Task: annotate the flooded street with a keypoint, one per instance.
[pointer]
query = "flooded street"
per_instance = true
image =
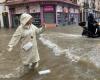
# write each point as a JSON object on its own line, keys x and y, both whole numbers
{"x": 63, "y": 50}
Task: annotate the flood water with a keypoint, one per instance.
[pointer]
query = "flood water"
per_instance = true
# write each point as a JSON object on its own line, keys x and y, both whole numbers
{"x": 63, "y": 50}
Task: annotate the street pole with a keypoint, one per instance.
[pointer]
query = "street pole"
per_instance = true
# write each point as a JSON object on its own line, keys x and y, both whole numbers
{"x": 82, "y": 8}
{"x": 82, "y": 14}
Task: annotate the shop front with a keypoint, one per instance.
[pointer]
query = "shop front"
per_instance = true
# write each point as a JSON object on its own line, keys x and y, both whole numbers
{"x": 41, "y": 14}
{"x": 45, "y": 12}
{"x": 73, "y": 16}
{"x": 49, "y": 14}
{"x": 16, "y": 12}
{"x": 15, "y": 15}
{"x": 62, "y": 15}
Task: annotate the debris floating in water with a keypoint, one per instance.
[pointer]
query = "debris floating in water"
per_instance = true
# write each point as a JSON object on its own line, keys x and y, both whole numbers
{"x": 44, "y": 72}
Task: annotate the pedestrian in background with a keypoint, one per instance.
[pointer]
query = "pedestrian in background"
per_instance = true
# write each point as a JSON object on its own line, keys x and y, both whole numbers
{"x": 72, "y": 20}
{"x": 26, "y": 34}
{"x": 92, "y": 25}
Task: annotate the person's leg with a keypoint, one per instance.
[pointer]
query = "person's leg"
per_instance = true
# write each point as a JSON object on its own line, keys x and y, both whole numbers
{"x": 36, "y": 64}
{"x": 33, "y": 65}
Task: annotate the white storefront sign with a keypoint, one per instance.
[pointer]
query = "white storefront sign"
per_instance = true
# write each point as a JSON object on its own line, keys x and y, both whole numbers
{"x": 59, "y": 8}
{"x": 19, "y": 10}
{"x": 71, "y": 10}
{"x": 65, "y": 9}
{"x": 76, "y": 11}
{"x": 34, "y": 8}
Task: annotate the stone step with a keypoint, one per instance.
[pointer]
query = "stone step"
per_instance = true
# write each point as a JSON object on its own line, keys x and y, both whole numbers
{"x": 50, "y": 26}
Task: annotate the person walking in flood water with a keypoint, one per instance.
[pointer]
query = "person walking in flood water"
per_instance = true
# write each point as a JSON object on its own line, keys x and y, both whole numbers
{"x": 26, "y": 35}
{"x": 92, "y": 25}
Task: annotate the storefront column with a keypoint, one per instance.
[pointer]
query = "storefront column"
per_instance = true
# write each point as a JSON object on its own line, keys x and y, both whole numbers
{"x": 56, "y": 17}
{"x": 68, "y": 15}
{"x": 10, "y": 18}
{"x": 41, "y": 15}
{"x": 28, "y": 10}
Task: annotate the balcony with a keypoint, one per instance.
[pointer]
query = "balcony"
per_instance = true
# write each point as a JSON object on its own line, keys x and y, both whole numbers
{"x": 12, "y": 2}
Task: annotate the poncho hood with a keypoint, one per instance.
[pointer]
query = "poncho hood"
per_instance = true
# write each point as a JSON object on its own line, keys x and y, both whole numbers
{"x": 25, "y": 18}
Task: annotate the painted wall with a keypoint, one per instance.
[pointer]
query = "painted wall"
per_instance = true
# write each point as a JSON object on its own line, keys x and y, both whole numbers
{"x": 80, "y": 2}
{"x": 97, "y": 5}
{"x": 1, "y": 1}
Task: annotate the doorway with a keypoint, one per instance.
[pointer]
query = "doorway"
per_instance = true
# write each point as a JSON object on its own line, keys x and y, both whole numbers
{"x": 49, "y": 17}
{"x": 5, "y": 19}
{"x": 16, "y": 20}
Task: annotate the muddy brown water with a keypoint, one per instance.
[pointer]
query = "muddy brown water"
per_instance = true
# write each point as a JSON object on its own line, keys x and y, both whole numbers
{"x": 63, "y": 50}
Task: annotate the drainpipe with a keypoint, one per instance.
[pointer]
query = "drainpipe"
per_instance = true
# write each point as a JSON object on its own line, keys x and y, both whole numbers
{"x": 10, "y": 20}
{"x": 41, "y": 14}
{"x": 82, "y": 14}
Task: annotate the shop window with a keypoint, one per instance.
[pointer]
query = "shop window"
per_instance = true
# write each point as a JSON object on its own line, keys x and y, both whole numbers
{"x": 62, "y": 18}
{"x": 36, "y": 19}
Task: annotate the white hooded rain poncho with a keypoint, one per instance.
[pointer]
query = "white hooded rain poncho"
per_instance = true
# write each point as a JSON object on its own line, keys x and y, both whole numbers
{"x": 25, "y": 34}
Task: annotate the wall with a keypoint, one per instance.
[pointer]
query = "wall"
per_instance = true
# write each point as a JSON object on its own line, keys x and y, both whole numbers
{"x": 1, "y": 1}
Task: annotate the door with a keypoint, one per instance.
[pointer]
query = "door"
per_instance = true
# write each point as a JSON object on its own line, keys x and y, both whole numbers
{"x": 49, "y": 17}
{"x": 5, "y": 19}
{"x": 16, "y": 20}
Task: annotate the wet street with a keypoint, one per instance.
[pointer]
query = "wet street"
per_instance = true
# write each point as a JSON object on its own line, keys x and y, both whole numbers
{"x": 63, "y": 50}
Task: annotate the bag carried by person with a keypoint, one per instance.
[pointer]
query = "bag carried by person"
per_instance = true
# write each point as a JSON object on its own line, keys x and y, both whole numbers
{"x": 27, "y": 46}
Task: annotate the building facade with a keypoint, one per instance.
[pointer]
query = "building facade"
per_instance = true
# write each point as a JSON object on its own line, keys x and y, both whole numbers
{"x": 89, "y": 6}
{"x": 44, "y": 11}
{"x": 4, "y": 14}
{"x": 97, "y": 9}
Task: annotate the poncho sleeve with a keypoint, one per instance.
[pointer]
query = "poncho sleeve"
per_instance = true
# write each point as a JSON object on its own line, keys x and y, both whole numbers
{"x": 39, "y": 30}
{"x": 15, "y": 38}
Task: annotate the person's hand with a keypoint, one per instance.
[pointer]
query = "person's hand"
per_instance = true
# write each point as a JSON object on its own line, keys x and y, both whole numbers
{"x": 99, "y": 23}
{"x": 43, "y": 25}
{"x": 10, "y": 49}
